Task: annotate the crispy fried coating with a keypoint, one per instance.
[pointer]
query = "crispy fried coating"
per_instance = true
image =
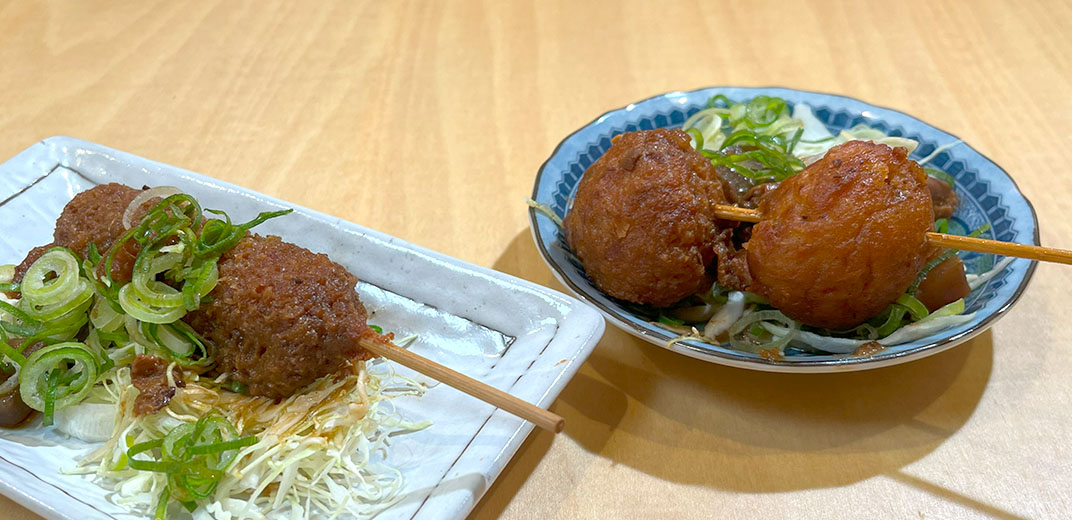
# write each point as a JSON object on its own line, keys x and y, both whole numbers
{"x": 843, "y": 239}
{"x": 281, "y": 316}
{"x": 643, "y": 221}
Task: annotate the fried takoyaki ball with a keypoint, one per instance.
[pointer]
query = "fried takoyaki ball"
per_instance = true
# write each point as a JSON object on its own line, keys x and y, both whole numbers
{"x": 840, "y": 241}
{"x": 643, "y": 218}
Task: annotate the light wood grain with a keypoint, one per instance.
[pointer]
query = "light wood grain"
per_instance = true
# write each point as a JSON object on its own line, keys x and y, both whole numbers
{"x": 428, "y": 120}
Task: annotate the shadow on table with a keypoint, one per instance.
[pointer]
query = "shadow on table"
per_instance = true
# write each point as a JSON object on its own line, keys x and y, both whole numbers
{"x": 696, "y": 423}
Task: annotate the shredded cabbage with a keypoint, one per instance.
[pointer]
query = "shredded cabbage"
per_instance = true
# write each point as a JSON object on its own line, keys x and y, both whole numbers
{"x": 976, "y": 281}
{"x": 320, "y": 451}
{"x": 817, "y": 140}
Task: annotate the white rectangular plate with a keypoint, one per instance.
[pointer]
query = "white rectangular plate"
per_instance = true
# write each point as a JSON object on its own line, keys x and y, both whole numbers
{"x": 509, "y": 333}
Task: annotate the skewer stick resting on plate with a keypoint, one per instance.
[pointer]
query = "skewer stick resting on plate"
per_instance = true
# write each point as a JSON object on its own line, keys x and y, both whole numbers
{"x": 981, "y": 245}
{"x": 523, "y": 409}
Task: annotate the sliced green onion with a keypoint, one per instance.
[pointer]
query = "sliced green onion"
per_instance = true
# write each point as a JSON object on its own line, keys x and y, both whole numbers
{"x": 76, "y": 301}
{"x": 103, "y": 317}
{"x": 11, "y": 352}
{"x": 149, "y": 290}
{"x": 165, "y": 336}
{"x": 58, "y": 331}
{"x": 51, "y": 385}
{"x": 894, "y": 321}
{"x": 218, "y": 236}
{"x": 207, "y": 449}
{"x": 194, "y": 456}
{"x": 949, "y": 309}
{"x": 697, "y": 138}
{"x": 915, "y": 308}
{"x": 143, "y": 447}
{"x": 51, "y": 279}
{"x": 748, "y": 321}
{"x": 162, "y": 503}
{"x": 39, "y": 380}
{"x": 201, "y": 345}
{"x": 794, "y": 141}
{"x": 142, "y": 311}
{"x": 719, "y": 100}
{"x": 18, "y": 314}
{"x": 198, "y": 283}
{"x": 176, "y": 440}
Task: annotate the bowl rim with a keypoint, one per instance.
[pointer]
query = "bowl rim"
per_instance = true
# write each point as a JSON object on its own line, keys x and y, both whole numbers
{"x": 840, "y": 364}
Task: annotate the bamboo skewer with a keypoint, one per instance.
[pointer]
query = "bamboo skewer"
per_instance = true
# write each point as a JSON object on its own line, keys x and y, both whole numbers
{"x": 980, "y": 245}
{"x": 737, "y": 213}
{"x": 489, "y": 394}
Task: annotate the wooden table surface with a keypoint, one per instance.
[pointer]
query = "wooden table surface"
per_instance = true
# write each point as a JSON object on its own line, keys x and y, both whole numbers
{"x": 428, "y": 121}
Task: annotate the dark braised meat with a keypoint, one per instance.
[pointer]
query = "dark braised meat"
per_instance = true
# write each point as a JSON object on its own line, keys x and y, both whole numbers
{"x": 149, "y": 376}
{"x": 943, "y": 197}
{"x": 945, "y": 283}
{"x": 841, "y": 240}
{"x": 12, "y": 409}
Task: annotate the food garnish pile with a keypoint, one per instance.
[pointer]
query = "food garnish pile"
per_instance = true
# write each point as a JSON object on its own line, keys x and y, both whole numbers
{"x": 220, "y": 369}
{"x": 839, "y": 262}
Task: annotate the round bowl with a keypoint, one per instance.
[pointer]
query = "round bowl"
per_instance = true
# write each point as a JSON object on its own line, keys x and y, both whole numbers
{"x": 987, "y": 195}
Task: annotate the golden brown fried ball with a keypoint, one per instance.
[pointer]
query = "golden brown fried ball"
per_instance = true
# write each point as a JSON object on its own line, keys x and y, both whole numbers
{"x": 840, "y": 241}
{"x": 643, "y": 218}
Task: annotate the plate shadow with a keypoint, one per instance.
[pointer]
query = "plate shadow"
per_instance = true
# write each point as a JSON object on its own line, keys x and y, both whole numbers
{"x": 686, "y": 421}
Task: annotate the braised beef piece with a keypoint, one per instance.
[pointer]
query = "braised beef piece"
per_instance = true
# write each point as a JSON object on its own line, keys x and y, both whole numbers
{"x": 944, "y": 284}
{"x": 149, "y": 375}
{"x": 943, "y": 198}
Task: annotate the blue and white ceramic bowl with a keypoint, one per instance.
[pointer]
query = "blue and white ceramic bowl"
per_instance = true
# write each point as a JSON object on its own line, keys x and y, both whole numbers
{"x": 987, "y": 195}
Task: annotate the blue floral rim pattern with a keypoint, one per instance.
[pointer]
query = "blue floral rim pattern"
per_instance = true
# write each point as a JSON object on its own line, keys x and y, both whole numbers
{"x": 988, "y": 196}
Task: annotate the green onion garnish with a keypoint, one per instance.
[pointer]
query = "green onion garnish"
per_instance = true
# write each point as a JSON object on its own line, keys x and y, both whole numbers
{"x": 57, "y": 376}
{"x": 194, "y": 456}
{"x": 761, "y": 133}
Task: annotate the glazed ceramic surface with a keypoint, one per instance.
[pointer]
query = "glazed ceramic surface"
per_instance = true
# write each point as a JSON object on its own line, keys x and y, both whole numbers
{"x": 511, "y": 334}
{"x": 987, "y": 194}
